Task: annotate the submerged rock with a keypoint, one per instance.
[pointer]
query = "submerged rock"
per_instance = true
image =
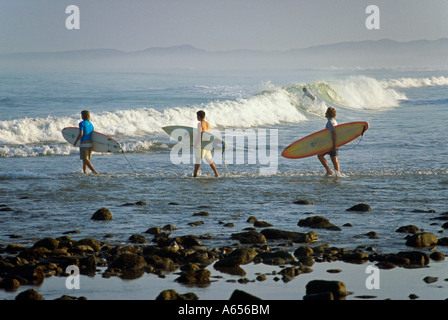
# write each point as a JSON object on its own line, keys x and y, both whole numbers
{"x": 408, "y": 229}
{"x": 102, "y": 214}
{"x": 422, "y": 240}
{"x": 318, "y": 222}
{"x": 362, "y": 207}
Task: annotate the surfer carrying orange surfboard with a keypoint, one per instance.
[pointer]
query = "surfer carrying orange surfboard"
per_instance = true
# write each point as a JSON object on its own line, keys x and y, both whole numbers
{"x": 333, "y": 153}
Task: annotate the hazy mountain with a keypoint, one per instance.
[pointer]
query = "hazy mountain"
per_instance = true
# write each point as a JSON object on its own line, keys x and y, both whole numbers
{"x": 382, "y": 53}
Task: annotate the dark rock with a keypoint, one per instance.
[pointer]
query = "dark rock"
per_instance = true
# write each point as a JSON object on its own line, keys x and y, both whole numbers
{"x": 236, "y": 258}
{"x": 138, "y": 203}
{"x": 430, "y": 279}
{"x": 303, "y": 252}
{"x": 187, "y": 241}
{"x": 201, "y": 214}
{"x": 336, "y": 288}
{"x": 276, "y": 258}
{"x": 27, "y": 274}
{"x": 29, "y": 294}
{"x": 437, "y": 256}
{"x": 13, "y": 248}
{"x": 275, "y": 234}
{"x": 307, "y": 237}
{"x": 356, "y": 257}
{"x": 88, "y": 265}
{"x": 408, "y": 229}
{"x": 5, "y": 265}
{"x": 362, "y": 207}
{"x": 319, "y": 296}
{"x": 95, "y": 245}
{"x": 443, "y": 241}
{"x": 70, "y": 298}
{"x": 169, "y": 227}
{"x": 415, "y": 257}
{"x": 196, "y": 223}
{"x": 422, "y": 240}
{"x": 128, "y": 260}
{"x": 137, "y": 238}
{"x": 161, "y": 263}
{"x": 241, "y": 295}
{"x": 154, "y": 230}
{"x": 102, "y": 214}
{"x": 72, "y": 232}
{"x": 10, "y": 284}
{"x": 318, "y": 222}
{"x": 251, "y": 219}
{"x": 303, "y": 202}
{"x": 47, "y": 243}
{"x": 173, "y": 295}
{"x": 262, "y": 224}
{"x": 200, "y": 277}
{"x": 250, "y": 237}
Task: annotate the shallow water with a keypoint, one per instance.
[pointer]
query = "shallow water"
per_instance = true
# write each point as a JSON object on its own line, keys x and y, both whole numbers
{"x": 399, "y": 167}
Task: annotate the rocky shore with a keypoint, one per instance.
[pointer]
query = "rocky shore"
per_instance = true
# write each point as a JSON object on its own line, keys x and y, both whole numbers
{"x": 157, "y": 252}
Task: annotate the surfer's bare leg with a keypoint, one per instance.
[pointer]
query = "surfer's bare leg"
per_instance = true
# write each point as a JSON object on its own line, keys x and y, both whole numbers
{"x": 335, "y": 161}
{"x": 212, "y": 165}
{"x": 87, "y": 163}
{"x": 325, "y": 164}
{"x": 196, "y": 170}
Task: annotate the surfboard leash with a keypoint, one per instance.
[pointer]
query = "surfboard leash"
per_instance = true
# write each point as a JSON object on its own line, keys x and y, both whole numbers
{"x": 122, "y": 151}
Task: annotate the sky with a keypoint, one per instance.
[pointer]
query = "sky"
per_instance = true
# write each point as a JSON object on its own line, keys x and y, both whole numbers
{"x": 214, "y": 25}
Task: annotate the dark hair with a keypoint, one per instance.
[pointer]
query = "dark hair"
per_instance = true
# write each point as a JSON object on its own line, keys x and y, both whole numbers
{"x": 85, "y": 115}
{"x": 331, "y": 112}
{"x": 200, "y": 114}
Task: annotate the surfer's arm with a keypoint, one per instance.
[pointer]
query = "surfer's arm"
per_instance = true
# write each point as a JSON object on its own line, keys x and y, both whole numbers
{"x": 198, "y": 136}
{"x": 333, "y": 138}
{"x": 79, "y": 137}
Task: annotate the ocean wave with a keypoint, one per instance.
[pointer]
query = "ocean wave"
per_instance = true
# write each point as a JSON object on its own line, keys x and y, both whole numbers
{"x": 361, "y": 92}
{"x": 271, "y": 105}
{"x": 22, "y": 175}
{"x": 415, "y": 82}
{"x": 267, "y": 108}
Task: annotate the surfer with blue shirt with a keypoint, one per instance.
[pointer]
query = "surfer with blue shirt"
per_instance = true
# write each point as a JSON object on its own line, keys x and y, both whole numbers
{"x": 85, "y": 147}
{"x": 333, "y": 153}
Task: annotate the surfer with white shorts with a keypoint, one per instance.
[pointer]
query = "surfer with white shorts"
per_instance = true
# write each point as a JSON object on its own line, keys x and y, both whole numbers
{"x": 85, "y": 147}
{"x": 333, "y": 153}
{"x": 309, "y": 95}
{"x": 199, "y": 153}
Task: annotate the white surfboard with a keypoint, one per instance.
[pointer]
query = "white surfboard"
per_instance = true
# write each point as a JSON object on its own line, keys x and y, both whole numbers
{"x": 185, "y": 134}
{"x": 100, "y": 142}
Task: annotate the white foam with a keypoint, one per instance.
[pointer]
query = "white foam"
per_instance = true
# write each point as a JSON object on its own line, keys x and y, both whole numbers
{"x": 268, "y": 108}
{"x": 360, "y": 92}
{"x": 415, "y": 82}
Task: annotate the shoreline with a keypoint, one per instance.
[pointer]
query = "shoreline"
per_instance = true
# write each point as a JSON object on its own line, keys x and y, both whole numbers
{"x": 262, "y": 261}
